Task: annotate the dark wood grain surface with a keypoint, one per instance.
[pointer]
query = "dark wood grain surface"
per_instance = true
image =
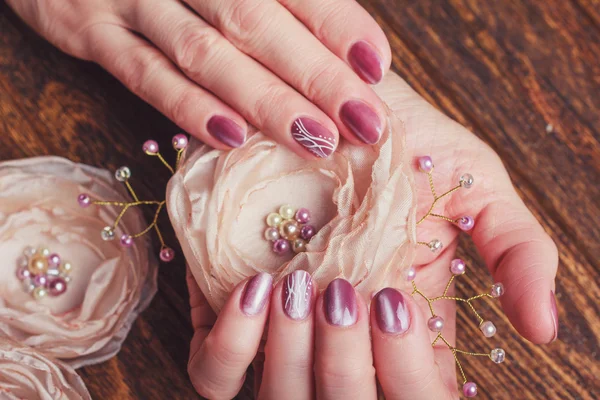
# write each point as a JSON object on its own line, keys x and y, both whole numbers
{"x": 524, "y": 75}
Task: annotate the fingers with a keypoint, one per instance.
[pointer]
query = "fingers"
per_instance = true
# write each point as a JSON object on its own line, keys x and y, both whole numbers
{"x": 218, "y": 367}
{"x": 525, "y": 259}
{"x": 404, "y": 358}
{"x": 203, "y": 317}
{"x": 288, "y": 367}
{"x": 349, "y": 32}
{"x": 150, "y": 75}
{"x": 343, "y": 358}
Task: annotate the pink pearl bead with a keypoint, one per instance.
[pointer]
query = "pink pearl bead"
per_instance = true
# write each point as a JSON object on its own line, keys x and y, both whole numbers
{"x": 40, "y": 280}
{"x": 57, "y": 286}
{"x": 410, "y": 274}
{"x": 307, "y": 232}
{"x": 126, "y": 241}
{"x": 167, "y": 254}
{"x": 303, "y": 216}
{"x": 466, "y": 223}
{"x": 54, "y": 260}
{"x": 457, "y": 266}
{"x": 425, "y": 164}
{"x": 435, "y": 324}
{"x": 84, "y": 200}
{"x": 281, "y": 246}
{"x": 23, "y": 273}
{"x": 150, "y": 147}
{"x": 470, "y": 389}
{"x": 180, "y": 141}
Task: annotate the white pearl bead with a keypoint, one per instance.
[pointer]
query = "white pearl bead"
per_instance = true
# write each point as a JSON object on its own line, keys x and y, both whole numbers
{"x": 39, "y": 293}
{"x": 488, "y": 329}
{"x": 497, "y": 355}
{"x": 45, "y": 252}
{"x": 272, "y": 234}
{"x": 66, "y": 268}
{"x": 29, "y": 251}
{"x": 274, "y": 220}
{"x": 287, "y": 211}
{"x": 467, "y": 181}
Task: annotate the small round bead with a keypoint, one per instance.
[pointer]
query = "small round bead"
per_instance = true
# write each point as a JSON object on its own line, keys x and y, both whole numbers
{"x": 84, "y": 200}
{"x": 52, "y": 272}
{"x": 38, "y": 265}
{"x": 126, "y": 241}
{"x": 467, "y": 181}
{"x": 410, "y": 274}
{"x": 167, "y": 254}
{"x": 488, "y": 329}
{"x": 39, "y": 293}
{"x": 29, "y": 251}
{"x": 66, "y": 268}
{"x": 435, "y": 245}
{"x": 466, "y": 223}
{"x": 425, "y": 164}
{"x": 57, "y": 286}
{"x": 457, "y": 266}
{"x": 28, "y": 285}
{"x": 497, "y": 289}
{"x": 23, "y": 273}
{"x": 303, "y": 216}
{"x": 307, "y": 232}
{"x": 470, "y": 389}
{"x": 274, "y": 219}
{"x": 287, "y": 211}
{"x": 281, "y": 246}
{"x": 179, "y": 141}
{"x": 272, "y": 234}
{"x": 299, "y": 246}
{"x": 44, "y": 252}
{"x": 66, "y": 278}
{"x": 40, "y": 280}
{"x": 498, "y": 355}
{"x": 54, "y": 260}
{"x": 22, "y": 262}
{"x": 123, "y": 174}
{"x": 107, "y": 234}
{"x": 435, "y": 324}
{"x": 289, "y": 229}
{"x": 150, "y": 147}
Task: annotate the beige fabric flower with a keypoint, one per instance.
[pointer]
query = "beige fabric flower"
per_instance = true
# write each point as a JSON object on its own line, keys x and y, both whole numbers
{"x": 110, "y": 284}
{"x": 27, "y": 374}
{"x": 361, "y": 199}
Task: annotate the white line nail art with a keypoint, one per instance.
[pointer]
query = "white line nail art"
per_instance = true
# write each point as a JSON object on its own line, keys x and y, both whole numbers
{"x": 320, "y": 145}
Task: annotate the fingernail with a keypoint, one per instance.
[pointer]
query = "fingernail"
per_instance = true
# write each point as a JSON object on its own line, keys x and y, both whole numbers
{"x": 391, "y": 311}
{"x": 314, "y": 137}
{"x": 362, "y": 121}
{"x": 296, "y": 295}
{"x": 366, "y": 62}
{"x": 226, "y": 131}
{"x": 256, "y": 293}
{"x": 554, "y": 312}
{"x": 340, "y": 303}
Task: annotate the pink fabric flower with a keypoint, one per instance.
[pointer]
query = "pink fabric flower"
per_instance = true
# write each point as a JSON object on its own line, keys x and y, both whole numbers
{"x": 361, "y": 200}
{"x": 28, "y": 374}
{"x": 110, "y": 284}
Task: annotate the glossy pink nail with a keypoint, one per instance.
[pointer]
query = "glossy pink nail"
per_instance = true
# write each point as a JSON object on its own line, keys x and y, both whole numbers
{"x": 362, "y": 121}
{"x": 554, "y": 312}
{"x": 340, "y": 303}
{"x": 366, "y": 62}
{"x": 391, "y": 311}
{"x": 226, "y": 131}
{"x": 256, "y": 294}
{"x": 297, "y": 295}
{"x": 314, "y": 137}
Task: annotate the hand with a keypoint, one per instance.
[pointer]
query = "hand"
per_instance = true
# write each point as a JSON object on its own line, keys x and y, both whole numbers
{"x": 292, "y": 68}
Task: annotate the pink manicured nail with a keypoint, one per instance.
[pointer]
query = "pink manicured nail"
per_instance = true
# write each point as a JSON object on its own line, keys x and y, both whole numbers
{"x": 554, "y": 312}
{"x": 297, "y": 294}
{"x": 362, "y": 121}
{"x": 392, "y": 313}
{"x": 314, "y": 137}
{"x": 340, "y": 303}
{"x": 226, "y": 131}
{"x": 256, "y": 293}
{"x": 366, "y": 62}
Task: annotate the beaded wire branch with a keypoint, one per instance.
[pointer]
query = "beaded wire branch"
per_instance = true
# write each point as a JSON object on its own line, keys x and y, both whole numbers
{"x": 457, "y": 268}
{"x": 123, "y": 174}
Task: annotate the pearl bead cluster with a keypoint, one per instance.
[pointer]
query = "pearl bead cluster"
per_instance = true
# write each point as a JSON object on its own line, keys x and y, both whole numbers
{"x": 123, "y": 174}
{"x": 43, "y": 273}
{"x": 289, "y": 229}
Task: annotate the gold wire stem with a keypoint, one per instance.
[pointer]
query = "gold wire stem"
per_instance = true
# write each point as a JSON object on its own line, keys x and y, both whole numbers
{"x": 120, "y": 216}
{"x": 448, "y": 285}
{"x": 423, "y": 244}
{"x": 154, "y": 221}
{"x": 131, "y": 191}
{"x": 162, "y": 160}
{"x": 123, "y": 204}
{"x": 443, "y": 217}
{"x": 160, "y": 237}
{"x": 435, "y": 200}
{"x": 179, "y": 153}
{"x": 431, "y": 186}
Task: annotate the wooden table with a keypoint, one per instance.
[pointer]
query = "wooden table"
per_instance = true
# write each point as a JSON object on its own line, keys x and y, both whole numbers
{"x": 524, "y": 75}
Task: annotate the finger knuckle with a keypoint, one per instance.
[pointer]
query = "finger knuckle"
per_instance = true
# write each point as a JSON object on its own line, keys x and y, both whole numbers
{"x": 135, "y": 68}
{"x": 330, "y": 18}
{"x": 319, "y": 81}
{"x": 272, "y": 96}
{"x": 344, "y": 375}
{"x": 182, "y": 108}
{"x": 230, "y": 354}
{"x": 194, "y": 48}
{"x": 244, "y": 20}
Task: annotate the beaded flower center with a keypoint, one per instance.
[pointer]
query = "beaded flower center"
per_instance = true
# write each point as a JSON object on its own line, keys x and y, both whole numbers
{"x": 43, "y": 273}
{"x": 289, "y": 229}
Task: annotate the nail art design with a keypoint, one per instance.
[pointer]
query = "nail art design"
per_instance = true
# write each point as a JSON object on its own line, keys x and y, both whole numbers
{"x": 366, "y": 62}
{"x": 297, "y": 295}
{"x": 314, "y": 137}
{"x": 392, "y": 311}
{"x": 341, "y": 308}
{"x": 257, "y": 293}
